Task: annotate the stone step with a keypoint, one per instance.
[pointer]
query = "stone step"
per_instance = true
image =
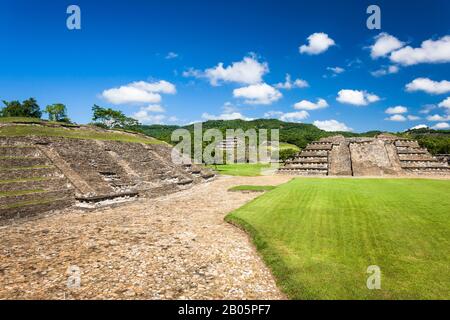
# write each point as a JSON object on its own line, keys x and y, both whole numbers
{"x": 31, "y": 208}
{"x": 35, "y": 196}
{"x": 28, "y": 172}
{"x": 56, "y": 183}
{"x": 19, "y": 151}
{"x": 303, "y": 172}
{"x": 13, "y": 161}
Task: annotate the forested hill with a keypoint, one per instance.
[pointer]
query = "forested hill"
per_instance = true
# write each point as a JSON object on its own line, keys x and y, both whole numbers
{"x": 299, "y": 134}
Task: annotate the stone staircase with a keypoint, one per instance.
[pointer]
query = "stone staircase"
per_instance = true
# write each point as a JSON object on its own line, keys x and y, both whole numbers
{"x": 30, "y": 183}
{"x": 40, "y": 174}
{"x": 311, "y": 161}
{"x": 416, "y": 160}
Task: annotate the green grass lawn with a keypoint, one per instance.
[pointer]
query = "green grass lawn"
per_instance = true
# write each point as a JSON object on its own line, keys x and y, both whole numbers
{"x": 320, "y": 235}
{"x": 75, "y": 133}
{"x": 240, "y": 169}
{"x": 252, "y": 188}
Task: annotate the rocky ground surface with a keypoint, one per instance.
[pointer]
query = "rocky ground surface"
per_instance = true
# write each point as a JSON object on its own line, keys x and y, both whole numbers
{"x": 173, "y": 247}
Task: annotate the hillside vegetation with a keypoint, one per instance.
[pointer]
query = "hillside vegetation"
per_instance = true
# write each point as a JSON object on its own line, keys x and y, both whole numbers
{"x": 300, "y": 134}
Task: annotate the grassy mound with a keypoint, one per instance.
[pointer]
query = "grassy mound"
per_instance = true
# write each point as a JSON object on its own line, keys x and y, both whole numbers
{"x": 48, "y": 129}
{"x": 320, "y": 235}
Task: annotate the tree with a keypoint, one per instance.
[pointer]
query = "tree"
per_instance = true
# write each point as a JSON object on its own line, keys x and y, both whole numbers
{"x": 110, "y": 118}
{"x": 286, "y": 154}
{"x": 28, "y": 108}
{"x": 57, "y": 112}
{"x": 31, "y": 108}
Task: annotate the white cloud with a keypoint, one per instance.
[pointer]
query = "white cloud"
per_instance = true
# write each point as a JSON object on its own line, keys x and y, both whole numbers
{"x": 431, "y": 51}
{"x": 396, "y": 117}
{"x": 336, "y": 70}
{"x": 260, "y": 93}
{"x": 191, "y": 72}
{"x": 331, "y": 125}
{"x": 225, "y": 116}
{"x": 437, "y": 117}
{"x": 441, "y": 125}
{"x": 386, "y": 70}
{"x": 396, "y": 110}
{"x": 317, "y": 43}
{"x": 288, "y": 84}
{"x": 429, "y": 86}
{"x": 384, "y": 44}
{"x": 445, "y": 103}
{"x": 419, "y": 126}
{"x": 247, "y": 71}
{"x": 308, "y": 105}
{"x": 145, "y": 117}
{"x": 413, "y": 117}
{"x": 154, "y": 108}
{"x": 288, "y": 116}
{"x": 171, "y": 55}
{"x": 294, "y": 116}
{"x": 139, "y": 92}
{"x": 426, "y": 109}
{"x": 356, "y": 97}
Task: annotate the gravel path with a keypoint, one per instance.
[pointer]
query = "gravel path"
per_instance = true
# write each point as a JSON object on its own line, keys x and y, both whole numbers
{"x": 173, "y": 247}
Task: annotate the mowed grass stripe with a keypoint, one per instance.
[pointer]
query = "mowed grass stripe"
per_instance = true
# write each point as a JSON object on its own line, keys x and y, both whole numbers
{"x": 320, "y": 235}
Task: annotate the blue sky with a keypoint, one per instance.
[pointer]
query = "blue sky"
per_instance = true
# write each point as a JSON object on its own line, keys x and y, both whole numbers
{"x": 160, "y": 60}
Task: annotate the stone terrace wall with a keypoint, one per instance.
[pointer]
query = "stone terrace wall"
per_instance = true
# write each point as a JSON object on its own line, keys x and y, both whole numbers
{"x": 383, "y": 155}
{"x": 39, "y": 174}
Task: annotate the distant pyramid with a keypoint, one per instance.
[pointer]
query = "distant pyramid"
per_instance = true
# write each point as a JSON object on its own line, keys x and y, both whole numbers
{"x": 379, "y": 156}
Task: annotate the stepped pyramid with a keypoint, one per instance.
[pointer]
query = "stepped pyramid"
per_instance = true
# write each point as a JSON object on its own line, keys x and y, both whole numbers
{"x": 40, "y": 174}
{"x": 379, "y": 156}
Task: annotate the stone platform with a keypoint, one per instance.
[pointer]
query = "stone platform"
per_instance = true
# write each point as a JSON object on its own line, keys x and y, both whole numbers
{"x": 384, "y": 155}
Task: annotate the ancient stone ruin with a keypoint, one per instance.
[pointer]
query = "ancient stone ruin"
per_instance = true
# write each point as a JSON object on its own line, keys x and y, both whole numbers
{"x": 39, "y": 174}
{"x": 380, "y": 156}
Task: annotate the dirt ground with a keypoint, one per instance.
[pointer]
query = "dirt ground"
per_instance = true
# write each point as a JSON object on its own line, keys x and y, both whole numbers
{"x": 173, "y": 247}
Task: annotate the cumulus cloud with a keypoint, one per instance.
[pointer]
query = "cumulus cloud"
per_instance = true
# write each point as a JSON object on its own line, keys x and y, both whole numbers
{"x": 260, "y": 93}
{"x": 247, "y": 71}
{"x": 308, "y": 105}
{"x": 445, "y": 104}
{"x": 356, "y": 97}
{"x": 396, "y": 110}
{"x": 428, "y": 86}
{"x": 441, "y": 125}
{"x": 331, "y": 125}
{"x": 336, "y": 70}
{"x": 225, "y": 116}
{"x": 288, "y": 116}
{"x": 419, "y": 126}
{"x": 396, "y": 117}
{"x": 144, "y": 116}
{"x": 154, "y": 108}
{"x": 431, "y": 51}
{"x": 437, "y": 117}
{"x": 384, "y": 44}
{"x": 318, "y": 42}
{"x": 139, "y": 92}
{"x": 385, "y": 71}
{"x": 288, "y": 84}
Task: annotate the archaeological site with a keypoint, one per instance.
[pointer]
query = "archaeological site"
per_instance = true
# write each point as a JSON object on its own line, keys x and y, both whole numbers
{"x": 384, "y": 155}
